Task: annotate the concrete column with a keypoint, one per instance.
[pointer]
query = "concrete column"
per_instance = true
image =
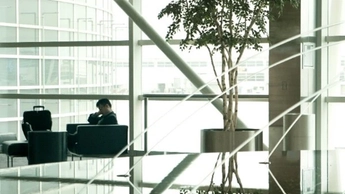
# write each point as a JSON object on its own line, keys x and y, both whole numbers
{"x": 284, "y": 79}
{"x": 284, "y": 91}
{"x": 135, "y": 106}
{"x": 321, "y": 108}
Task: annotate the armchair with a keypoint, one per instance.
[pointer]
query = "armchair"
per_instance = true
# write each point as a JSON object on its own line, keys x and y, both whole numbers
{"x": 98, "y": 140}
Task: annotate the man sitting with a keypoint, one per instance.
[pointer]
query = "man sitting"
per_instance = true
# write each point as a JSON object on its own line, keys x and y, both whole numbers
{"x": 104, "y": 116}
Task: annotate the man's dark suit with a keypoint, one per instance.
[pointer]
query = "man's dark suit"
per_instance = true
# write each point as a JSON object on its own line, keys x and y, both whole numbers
{"x": 107, "y": 119}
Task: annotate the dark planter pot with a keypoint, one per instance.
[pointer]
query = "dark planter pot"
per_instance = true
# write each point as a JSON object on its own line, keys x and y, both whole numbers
{"x": 217, "y": 140}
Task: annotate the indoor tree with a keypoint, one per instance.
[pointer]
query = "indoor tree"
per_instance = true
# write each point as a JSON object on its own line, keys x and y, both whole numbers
{"x": 225, "y": 28}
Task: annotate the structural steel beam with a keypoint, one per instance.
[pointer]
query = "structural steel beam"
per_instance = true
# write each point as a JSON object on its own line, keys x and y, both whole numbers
{"x": 63, "y": 44}
{"x": 65, "y": 96}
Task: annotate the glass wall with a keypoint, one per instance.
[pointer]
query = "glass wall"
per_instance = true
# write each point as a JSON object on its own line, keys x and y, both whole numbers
{"x": 61, "y": 70}
{"x": 336, "y": 129}
{"x": 252, "y": 76}
{"x": 91, "y": 70}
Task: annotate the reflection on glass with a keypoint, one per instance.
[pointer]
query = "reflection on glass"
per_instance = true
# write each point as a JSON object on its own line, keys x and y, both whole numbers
{"x": 109, "y": 181}
{"x": 28, "y": 186}
{"x": 50, "y": 171}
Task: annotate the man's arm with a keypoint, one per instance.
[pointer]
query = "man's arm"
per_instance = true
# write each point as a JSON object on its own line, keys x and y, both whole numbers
{"x": 93, "y": 119}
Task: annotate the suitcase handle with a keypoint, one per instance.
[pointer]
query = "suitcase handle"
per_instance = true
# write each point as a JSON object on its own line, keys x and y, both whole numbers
{"x": 37, "y": 107}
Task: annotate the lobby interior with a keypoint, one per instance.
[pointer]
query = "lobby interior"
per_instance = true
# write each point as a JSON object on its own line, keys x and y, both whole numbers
{"x": 66, "y": 55}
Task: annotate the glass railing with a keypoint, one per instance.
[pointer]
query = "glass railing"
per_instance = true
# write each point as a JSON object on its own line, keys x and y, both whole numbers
{"x": 169, "y": 171}
{"x": 300, "y": 161}
{"x": 72, "y": 177}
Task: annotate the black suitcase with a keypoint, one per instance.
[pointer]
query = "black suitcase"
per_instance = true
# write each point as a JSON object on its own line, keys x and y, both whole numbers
{"x": 37, "y": 119}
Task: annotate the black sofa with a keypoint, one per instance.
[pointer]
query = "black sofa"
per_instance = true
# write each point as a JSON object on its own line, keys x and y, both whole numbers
{"x": 97, "y": 140}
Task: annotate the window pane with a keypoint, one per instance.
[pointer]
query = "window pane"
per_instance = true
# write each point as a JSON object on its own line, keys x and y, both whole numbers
{"x": 66, "y": 51}
{"x": 90, "y": 66}
{"x": 64, "y": 121}
{"x": 28, "y": 104}
{"x": 67, "y": 106}
{"x": 8, "y": 108}
{"x": 8, "y": 34}
{"x": 8, "y": 72}
{"x": 49, "y": 13}
{"x": 336, "y": 126}
{"x": 169, "y": 79}
{"x": 252, "y": 114}
{"x": 50, "y": 70}
{"x": 28, "y": 35}
{"x": 67, "y": 72}
{"x": 81, "y": 72}
{"x": 337, "y": 69}
{"x": 66, "y": 15}
{"x": 91, "y": 2}
{"x": 8, "y": 11}
{"x": 81, "y": 18}
{"x": 51, "y": 105}
{"x": 28, "y": 12}
{"x": 9, "y": 127}
{"x": 91, "y": 15}
{"x": 28, "y": 72}
{"x": 49, "y": 35}
{"x": 336, "y": 147}
{"x": 150, "y": 13}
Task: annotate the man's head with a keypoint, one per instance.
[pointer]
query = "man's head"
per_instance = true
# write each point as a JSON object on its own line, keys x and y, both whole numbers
{"x": 104, "y": 106}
